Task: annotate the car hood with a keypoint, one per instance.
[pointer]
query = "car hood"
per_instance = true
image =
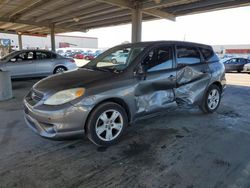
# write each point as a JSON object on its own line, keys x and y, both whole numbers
{"x": 72, "y": 79}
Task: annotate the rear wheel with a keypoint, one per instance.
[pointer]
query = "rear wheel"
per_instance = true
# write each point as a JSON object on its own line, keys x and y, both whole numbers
{"x": 106, "y": 124}
{"x": 59, "y": 70}
{"x": 211, "y": 100}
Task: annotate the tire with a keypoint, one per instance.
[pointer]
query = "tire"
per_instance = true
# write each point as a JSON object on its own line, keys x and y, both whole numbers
{"x": 211, "y": 100}
{"x": 110, "y": 130}
{"x": 60, "y": 69}
{"x": 239, "y": 71}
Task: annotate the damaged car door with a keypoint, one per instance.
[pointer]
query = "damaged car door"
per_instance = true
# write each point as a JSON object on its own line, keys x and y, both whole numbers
{"x": 156, "y": 81}
{"x": 193, "y": 75}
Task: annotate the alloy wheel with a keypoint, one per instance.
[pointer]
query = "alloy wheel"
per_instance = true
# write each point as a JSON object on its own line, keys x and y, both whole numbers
{"x": 109, "y": 125}
{"x": 60, "y": 70}
{"x": 213, "y": 99}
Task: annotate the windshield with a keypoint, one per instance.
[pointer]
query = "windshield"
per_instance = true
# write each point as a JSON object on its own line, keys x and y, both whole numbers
{"x": 8, "y": 55}
{"x": 115, "y": 60}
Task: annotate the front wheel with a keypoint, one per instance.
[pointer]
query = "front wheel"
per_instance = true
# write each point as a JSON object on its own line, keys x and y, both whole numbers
{"x": 211, "y": 100}
{"x": 106, "y": 124}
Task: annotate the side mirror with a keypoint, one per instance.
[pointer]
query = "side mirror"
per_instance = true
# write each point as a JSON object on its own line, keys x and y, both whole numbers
{"x": 13, "y": 60}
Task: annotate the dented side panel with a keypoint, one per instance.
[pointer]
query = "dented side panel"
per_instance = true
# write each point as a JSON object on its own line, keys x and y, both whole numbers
{"x": 192, "y": 82}
{"x": 154, "y": 101}
{"x": 155, "y": 92}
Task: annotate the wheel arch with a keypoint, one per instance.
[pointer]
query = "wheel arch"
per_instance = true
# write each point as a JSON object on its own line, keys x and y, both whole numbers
{"x": 217, "y": 83}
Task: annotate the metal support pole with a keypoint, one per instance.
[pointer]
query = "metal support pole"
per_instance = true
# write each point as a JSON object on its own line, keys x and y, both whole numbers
{"x": 52, "y": 36}
{"x": 136, "y": 24}
{"x": 20, "y": 42}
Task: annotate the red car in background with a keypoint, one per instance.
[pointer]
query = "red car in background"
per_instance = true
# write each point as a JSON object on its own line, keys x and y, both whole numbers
{"x": 89, "y": 56}
{"x": 79, "y": 56}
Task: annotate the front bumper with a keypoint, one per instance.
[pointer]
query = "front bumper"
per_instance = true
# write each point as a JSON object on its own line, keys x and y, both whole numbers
{"x": 55, "y": 122}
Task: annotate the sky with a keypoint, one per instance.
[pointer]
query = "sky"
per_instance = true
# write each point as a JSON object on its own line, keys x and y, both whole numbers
{"x": 230, "y": 26}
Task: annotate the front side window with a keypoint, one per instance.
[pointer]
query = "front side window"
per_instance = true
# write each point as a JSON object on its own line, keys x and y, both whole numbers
{"x": 158, "y": 59}
{"x": 187, "y": 55}
{"x": 233, "y": 61}
{"x": 25, "y": 56}
{"x": 116, "y": 60}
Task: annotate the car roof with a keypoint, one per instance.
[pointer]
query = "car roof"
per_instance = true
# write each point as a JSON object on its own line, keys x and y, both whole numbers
{"x": 152, "y": 43}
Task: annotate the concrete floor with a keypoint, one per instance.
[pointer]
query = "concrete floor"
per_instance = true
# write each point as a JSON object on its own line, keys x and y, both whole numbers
{"x": 183, "y": 148}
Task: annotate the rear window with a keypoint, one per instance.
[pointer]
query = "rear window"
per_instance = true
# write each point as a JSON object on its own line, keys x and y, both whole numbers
{"x": 207, "y": 53}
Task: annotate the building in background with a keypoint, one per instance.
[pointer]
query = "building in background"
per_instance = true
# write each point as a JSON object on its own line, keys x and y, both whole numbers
{"x": 40, "y": 42}
{"x": 232, "y": 50}
{"x": 5, "y": 47}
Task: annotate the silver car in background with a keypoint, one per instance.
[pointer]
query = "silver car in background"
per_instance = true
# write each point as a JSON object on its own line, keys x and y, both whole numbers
{"x": 35, "y": 63}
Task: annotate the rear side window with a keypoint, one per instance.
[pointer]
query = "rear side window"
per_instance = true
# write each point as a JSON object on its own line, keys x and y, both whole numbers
{"x": 53, "y": 55}
{"x": 43, "y": 55}
{"x": 243, "y": 61}
{"x": 187, "y": 55}
{"x": 207, "y": 53}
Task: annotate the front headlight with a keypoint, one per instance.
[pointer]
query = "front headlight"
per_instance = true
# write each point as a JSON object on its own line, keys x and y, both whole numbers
{"x": 65, "y": 96}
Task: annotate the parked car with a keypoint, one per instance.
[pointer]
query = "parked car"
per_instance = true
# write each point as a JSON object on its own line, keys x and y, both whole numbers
{"x": 35, "y": 63}
{"x": 235, "y": 64}
{"x": 70, "y": 54}
{"x": 101, "y": 99}
{"x": 79, "y": 56}
{"x": 89, "y": 56}
{"x": 121, "y": 58}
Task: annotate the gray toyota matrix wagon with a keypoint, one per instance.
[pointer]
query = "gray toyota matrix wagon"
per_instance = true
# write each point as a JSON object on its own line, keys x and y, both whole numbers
{"x": 102, "y": 98}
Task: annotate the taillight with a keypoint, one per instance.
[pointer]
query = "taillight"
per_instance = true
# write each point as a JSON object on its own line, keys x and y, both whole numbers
{"x": 72, "y": 60}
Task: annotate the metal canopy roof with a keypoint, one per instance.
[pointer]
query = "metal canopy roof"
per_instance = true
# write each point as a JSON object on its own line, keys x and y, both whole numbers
{"x": 38, "y": 16}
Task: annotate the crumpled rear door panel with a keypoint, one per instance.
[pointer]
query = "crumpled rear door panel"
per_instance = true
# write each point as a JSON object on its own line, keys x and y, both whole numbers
{"x": 191, "y": 83}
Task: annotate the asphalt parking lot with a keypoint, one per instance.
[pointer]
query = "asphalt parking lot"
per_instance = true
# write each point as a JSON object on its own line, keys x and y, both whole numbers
{"x": 182, "y": 148}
